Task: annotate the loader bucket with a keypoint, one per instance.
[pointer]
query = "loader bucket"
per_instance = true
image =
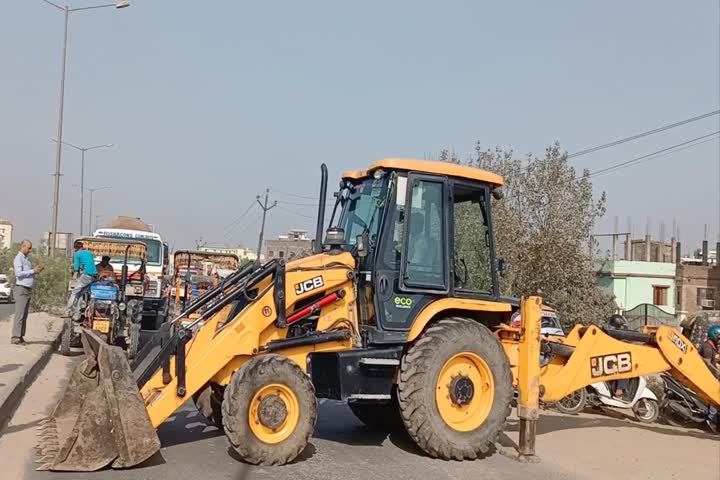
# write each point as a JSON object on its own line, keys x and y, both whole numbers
{"x": 101, "y": 419}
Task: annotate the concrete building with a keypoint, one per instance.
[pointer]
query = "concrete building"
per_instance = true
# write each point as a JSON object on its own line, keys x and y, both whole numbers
{"x": 698, "y": 283}
{"x": 295, "y": 244}
{"x": 633, "y": 283}
{"x": 244, "y": 254}
{"x": 649, "y": 250}
{"x": 6, "y": 229}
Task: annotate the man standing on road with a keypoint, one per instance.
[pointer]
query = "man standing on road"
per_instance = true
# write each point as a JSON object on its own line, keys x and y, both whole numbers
{"x": 82, "y": 260}
{"x": 24, "y": 282}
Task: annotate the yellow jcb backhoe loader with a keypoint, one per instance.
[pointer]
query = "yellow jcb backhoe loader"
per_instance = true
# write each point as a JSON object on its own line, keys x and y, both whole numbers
{"x": 397, "y": 312}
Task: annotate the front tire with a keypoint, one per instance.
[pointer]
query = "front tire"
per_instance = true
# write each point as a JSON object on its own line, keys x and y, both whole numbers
{"x": 455, "y": 389}
{"x": 209, "y": 404}
{"x": 133, "y": 343}
{"x": 646, "y": 410}
{"x": 269, "y": 410}
{"x": 66, "y": 339}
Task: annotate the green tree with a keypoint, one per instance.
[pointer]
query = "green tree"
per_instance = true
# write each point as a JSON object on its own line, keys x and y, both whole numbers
{"x": 51, "y": 286}
{"x": 542, "y": 227}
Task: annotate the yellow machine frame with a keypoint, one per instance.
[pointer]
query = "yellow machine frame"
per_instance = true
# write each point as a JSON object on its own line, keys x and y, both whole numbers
{"x": 249, "y": 321}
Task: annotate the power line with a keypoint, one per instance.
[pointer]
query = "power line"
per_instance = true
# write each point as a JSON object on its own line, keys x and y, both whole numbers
{"x": 643, "y": 134}
{"x": 304, "y": 204}
{"x": 288, "y": 194}
{"x": 247, "y": 226}
{"x": 652, "y": 156}
{"x": 235, "y": 222}
{"x": 295, "y": 213}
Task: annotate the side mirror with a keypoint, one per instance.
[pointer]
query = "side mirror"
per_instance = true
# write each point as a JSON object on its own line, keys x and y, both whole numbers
{"x": 501, "y": 265}
{"x": 361, "y": 242}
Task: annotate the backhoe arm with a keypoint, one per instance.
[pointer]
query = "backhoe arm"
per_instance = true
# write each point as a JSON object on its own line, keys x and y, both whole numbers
{"x": 589, "y": 355}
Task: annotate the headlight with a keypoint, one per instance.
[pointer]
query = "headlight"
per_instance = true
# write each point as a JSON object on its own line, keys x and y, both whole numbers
{"x": 122, "y": 306}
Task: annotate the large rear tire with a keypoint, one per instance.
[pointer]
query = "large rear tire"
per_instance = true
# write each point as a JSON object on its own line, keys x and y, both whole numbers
{"x": 455, "y": 389}
{"x": 66, "y": 338}
{"x": 269, "y": 410}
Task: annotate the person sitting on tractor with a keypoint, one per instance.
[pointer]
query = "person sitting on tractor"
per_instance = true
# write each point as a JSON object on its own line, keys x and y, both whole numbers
{"x": 709, "y": 353}
{"x": 104, "y": 268}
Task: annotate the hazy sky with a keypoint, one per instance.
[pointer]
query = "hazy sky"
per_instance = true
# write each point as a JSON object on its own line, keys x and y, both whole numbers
{"x": 208, "y": 103}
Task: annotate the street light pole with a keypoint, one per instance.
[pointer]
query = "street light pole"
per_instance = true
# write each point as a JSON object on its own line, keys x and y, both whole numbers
{"x": 93, "y": 190}
{"x": 82, "y": 190}
{"x": 58, "y": 151}
{"x": 82, "y": 176}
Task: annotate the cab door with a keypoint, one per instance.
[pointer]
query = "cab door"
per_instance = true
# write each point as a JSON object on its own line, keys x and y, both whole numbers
{"x": 411, "y": 268}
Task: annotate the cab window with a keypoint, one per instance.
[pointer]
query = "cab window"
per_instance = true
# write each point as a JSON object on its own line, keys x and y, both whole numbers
{"x": 471, "y": 241}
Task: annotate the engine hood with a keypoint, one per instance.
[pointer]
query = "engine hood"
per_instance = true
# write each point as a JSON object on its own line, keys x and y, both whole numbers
{"x": 321, "y": 261}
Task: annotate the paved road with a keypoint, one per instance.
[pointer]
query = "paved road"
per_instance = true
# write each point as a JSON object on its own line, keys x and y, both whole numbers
{"x": 341, "y": 448}
{"x": 571, "y": 447}
{"x": 6, "y": 310}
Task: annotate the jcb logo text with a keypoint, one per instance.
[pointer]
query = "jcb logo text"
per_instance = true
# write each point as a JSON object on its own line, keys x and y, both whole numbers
{"x": 308, "y": 285}
{"x": 610, "y": 364}
{"x": 678, "y": 342}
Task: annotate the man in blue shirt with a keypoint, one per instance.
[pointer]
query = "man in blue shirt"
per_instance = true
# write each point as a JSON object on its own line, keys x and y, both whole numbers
{"x": 24, "y": 282}
{"x": 84, "y": 261}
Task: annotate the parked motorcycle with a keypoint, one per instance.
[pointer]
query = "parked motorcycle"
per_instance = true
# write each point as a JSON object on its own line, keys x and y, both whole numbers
{"x": 681, "y": 402}
{"x": 637, "y": 397}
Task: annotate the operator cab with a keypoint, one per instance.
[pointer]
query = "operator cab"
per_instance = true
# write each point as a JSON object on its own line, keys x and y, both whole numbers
{"x": 422, "y": 230}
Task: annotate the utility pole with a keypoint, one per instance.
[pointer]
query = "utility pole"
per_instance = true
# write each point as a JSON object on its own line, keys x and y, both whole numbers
{"x": 265, "y": 209}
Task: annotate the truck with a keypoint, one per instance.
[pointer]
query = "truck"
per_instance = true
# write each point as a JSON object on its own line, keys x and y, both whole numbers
{"x": 155, "y": 301}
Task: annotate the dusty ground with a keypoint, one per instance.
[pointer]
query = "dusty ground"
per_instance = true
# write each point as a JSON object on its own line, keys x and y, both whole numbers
{"x": 584, "y": 447}
{"x": 6, "y": 310}
{"x": 614, "y": 447}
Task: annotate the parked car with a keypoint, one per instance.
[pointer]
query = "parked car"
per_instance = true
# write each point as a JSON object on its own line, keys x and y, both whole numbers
{"x": 550, "y": 324}
{"x": 6, "y": 291}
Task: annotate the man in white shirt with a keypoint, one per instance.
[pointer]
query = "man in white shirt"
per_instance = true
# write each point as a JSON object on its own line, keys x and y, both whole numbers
{"x": 24, "y": 282}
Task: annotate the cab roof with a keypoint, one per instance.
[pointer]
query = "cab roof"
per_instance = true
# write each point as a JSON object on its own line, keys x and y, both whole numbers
{"x": 427, "y": 166}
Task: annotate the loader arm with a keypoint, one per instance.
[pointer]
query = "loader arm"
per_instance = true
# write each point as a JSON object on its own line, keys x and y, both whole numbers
{"x": 109, "y": 412}
{"x": 223, "y": 344}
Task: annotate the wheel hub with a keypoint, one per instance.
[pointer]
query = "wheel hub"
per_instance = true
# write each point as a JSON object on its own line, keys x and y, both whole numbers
{"x": 272, "y": 411}
{"x": 462, "y": 390}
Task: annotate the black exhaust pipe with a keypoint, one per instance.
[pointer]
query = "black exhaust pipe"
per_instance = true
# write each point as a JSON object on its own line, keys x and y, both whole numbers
{"x": 317, "y": 246}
